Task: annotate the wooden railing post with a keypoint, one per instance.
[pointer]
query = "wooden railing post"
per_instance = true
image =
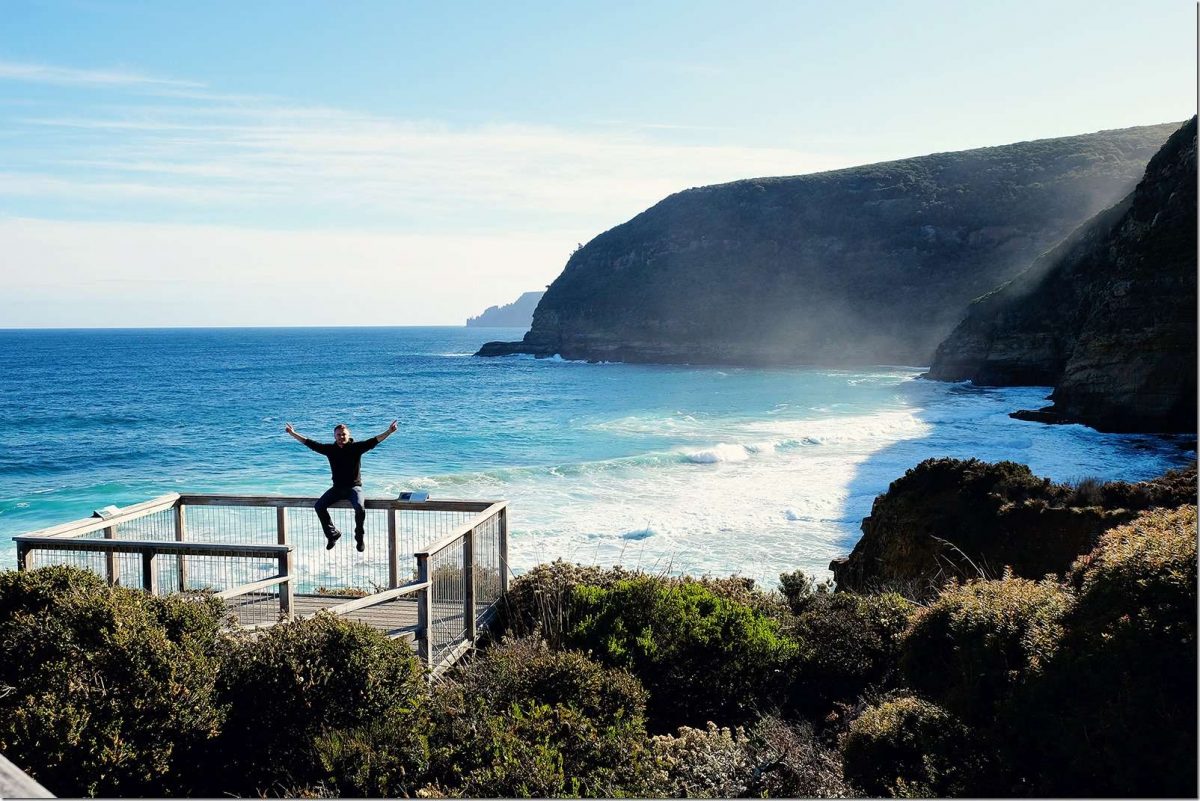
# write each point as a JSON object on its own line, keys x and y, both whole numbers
{"x": 180, "y": 536}
{"x": 425, "y": 612}
{"x": 149, "y": 572}
{"x": 503, "y": 548}
{"x": 287, "y": 593}
{"x": 393, "y": 550}
{"x": 281, "y": 532}
{"x": 112, "y": 570}
{"x": 468, "y": 578}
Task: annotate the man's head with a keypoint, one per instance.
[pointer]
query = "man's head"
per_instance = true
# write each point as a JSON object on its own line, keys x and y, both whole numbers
{"x": 341, "y": 434}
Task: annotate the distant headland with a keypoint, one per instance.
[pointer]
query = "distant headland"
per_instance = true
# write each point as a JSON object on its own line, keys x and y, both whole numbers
{"x": 518, "y": 314}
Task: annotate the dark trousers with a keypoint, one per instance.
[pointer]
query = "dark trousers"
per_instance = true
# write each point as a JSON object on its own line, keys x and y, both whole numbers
{"x": 334, "y": 494}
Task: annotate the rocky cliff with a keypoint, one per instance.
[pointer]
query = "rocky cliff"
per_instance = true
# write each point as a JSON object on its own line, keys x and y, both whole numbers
{"x": 865, "y": 265}
{"x": 1108, "y": 317}
{"x": 518, "y": 314}
{"x": 954, "y": 519}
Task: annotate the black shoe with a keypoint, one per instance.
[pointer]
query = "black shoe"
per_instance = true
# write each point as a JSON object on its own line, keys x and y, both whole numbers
{"x": 358, "y": 542}
{"x": 331, "y": 540}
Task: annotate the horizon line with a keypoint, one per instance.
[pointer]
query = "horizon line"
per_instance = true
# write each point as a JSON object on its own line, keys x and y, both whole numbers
{"x": 10, "y": 329}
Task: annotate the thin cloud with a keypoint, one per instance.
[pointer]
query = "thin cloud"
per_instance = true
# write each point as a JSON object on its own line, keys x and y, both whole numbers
{"x": 256, "y": 162}
{"x": 70, "y": 76}
{"x": 342, "y": 167}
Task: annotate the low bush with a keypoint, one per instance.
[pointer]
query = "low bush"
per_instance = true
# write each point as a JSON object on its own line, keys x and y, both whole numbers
{"x": 711, "y": 762}
{"x": 323, "y": 703}
{"x": 907, "y": 747}
{"x": 977, "y": 641}
{"x": 542, "y": 602}
{"x": 774, "y": 760}
{"x": 104, "y": 691}
{"x": 799, "y": 590}
{"x": 523, "y": 720}
{"x": 845, "y": 643}
{"x": 1172, "y": 489}
{"x": 1115, "y": 712}
{"x": 701, "y": 657}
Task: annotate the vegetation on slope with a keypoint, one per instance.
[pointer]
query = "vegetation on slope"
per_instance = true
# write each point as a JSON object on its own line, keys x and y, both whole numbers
{"x": 646, "y": 686}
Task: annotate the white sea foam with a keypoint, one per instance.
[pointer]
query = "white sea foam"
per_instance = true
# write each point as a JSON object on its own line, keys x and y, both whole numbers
{"x": 721, "y": 452}
{"x": 772, "y": 495}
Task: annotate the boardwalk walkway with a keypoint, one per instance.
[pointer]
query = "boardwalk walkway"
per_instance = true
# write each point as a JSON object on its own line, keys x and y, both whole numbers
{"x": 433, "y": 572}
{"x": 399, "y": 618}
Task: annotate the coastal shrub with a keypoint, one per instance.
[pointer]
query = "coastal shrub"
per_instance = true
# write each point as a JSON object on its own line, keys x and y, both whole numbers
{"x": 711, "y": 762}
{"x": 1087, "y": 492}
{"x": 1115, "y": 712}
{"x": 104, "y": 691}
{"x": 800, "y": 589}
{"x": 1172, "y": 489}
{"x": 976, "y": 641}
{"x": 543, "y": 601}
{"x": 907, "y": 747}
{"x": 320, "y": 702}
{"x": 773, "y": 759}
{"x": 701, "y": 656}
{"x": 845, "y": 643}
{"x": 523, "y": 720}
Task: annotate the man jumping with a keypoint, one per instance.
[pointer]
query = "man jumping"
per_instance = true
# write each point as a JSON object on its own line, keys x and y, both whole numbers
{"x": 345, "y": 456}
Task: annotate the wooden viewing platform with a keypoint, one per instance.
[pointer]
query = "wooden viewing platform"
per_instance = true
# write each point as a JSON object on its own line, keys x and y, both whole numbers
{"x": 432, "y": 572}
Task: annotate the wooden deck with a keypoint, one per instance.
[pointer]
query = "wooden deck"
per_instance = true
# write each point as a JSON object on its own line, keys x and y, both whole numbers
{"x": 446, "y": 568}
{"x": 396, "y": 618}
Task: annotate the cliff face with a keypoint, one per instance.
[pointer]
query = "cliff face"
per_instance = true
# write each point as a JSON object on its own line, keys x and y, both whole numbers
{"x": 518, "y": 314}
{"x": 1108, "y": 317}
{"x": 865, "y": 265}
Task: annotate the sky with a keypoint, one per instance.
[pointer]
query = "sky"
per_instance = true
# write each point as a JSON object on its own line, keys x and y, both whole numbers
{"x": 168, "y": 163}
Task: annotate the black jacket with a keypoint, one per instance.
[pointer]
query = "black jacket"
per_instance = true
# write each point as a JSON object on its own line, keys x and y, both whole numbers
{"x": 344, "y": 461}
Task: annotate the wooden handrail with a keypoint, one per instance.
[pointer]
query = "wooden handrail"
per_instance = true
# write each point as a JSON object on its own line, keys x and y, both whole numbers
{"x": 33, "y": 542}
{"x": 244, "y": 589}
{"x": 462, "y": 528}
{"x": 377, "y": 598}
{"x": 304, "y": 501}
{"x": 90, "y": 524}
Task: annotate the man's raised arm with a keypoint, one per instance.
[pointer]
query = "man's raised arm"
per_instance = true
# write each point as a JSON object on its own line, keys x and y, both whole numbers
{"x": 303, "y": 440}
{"x": 390, "y": 430}
{"x": 300, "y": 438}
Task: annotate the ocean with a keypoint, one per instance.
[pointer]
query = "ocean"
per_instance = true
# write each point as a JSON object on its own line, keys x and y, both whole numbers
{"x": 672, "y": 469}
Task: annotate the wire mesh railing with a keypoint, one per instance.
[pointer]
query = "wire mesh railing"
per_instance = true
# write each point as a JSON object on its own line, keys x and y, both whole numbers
{"x": 466, "y": 574}
{"x": 393, "y": 533}
{"x": 253, "y": 580}
{"x": 432, "y": 570}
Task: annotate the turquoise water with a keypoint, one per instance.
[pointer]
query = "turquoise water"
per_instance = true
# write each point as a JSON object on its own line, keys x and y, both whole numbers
{"x": 668, "y": 468}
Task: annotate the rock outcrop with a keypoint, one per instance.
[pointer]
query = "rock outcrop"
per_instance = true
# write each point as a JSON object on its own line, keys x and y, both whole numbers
{"x": 871, "y": 264}
{"x": 518, "y": 314}
{"x": 948, "y": 518}
{"x": 1108, "y": 317}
